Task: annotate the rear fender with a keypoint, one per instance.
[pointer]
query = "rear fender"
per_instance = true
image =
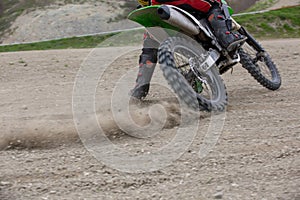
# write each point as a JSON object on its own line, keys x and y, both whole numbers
{"x": 149, "y": 18}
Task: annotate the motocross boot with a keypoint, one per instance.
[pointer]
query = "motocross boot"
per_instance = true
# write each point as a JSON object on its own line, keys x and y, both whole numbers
{"x": 222, "y": 31}
{"x": 147, "y": 65}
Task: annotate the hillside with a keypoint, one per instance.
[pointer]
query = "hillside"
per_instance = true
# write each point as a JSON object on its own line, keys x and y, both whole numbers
{"x": 33, "y": 20}
{"x": 41, "y": 20}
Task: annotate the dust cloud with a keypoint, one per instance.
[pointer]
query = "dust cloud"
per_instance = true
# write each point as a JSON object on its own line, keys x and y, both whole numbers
{"x": 53, "y": 131}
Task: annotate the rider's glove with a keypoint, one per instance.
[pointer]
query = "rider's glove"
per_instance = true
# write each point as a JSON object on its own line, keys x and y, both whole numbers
{"x": 145, "y": 2}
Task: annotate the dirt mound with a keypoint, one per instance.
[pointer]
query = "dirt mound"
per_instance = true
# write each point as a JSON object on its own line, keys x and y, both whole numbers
{"x": 60, "y": 21}
{"x": 239, "y": 6}
{"x": 282, "y": 4}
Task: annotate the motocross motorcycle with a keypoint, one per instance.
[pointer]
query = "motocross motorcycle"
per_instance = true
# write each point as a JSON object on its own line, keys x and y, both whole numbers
{"x": 192, "y": 59}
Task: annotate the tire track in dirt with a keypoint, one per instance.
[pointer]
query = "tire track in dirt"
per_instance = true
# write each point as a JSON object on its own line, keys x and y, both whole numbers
{"x": 36, "y": 93}
{"x": 36, "y": 107}
{"x": 257, "y": 155}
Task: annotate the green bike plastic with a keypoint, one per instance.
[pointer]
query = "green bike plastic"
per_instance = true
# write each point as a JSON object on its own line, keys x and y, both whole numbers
{"x": 148, "y": 17}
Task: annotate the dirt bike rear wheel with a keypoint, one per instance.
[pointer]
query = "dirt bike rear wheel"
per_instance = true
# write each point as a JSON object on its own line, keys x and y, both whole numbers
{"x": 175, "y": 56}
{"x": 260, "y": 66}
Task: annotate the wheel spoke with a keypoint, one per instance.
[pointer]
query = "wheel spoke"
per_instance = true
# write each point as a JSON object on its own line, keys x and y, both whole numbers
{"x": 183, "y": 65}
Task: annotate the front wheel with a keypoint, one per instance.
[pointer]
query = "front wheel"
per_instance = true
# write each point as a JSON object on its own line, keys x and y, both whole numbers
{"x": 198, "y": 90}
{"x": 260, "y": 65}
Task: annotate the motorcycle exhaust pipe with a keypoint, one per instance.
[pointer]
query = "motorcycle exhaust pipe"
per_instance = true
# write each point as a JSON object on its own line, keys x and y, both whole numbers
{"x": 175, "y": 18}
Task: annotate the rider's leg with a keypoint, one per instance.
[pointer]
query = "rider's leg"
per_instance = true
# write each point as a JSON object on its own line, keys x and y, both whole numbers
{"x": 222, "y": 29}
{"x": 147, "y": 63}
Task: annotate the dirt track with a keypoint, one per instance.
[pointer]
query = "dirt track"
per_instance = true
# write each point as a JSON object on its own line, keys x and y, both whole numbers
{"x": 257, "y": 155}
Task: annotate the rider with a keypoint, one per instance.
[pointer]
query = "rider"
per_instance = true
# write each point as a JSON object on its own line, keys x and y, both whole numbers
{"x": 217, "y": 19}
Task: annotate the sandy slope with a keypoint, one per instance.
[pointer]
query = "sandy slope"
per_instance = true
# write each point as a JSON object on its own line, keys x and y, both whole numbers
{"x": 69, "y": 20}
{"x": 285, "y": 3}
{"x": 257, "y": 155}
